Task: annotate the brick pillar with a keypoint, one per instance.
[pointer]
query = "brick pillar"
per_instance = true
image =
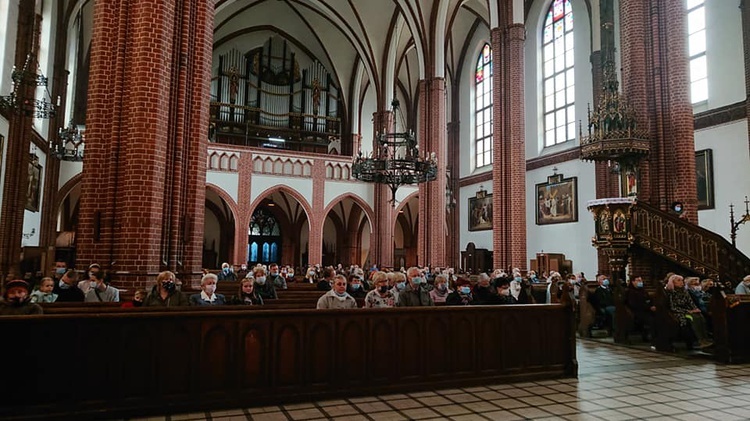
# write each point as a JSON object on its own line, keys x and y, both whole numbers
{"x": 356, "y": 143}
{"x": 317, "y": 219}
{"x": 381, "y": 243}
{"x": 432, "y": 139}
{"x": 16, "y": 181}
{"x": 453, "y": 245}
{"x": 509, "y": 154}
{"x": 244, "y": 212}
{"x": 143, "y": 187}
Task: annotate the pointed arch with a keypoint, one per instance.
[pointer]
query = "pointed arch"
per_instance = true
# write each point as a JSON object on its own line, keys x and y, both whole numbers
{"x": 281, "y": 189}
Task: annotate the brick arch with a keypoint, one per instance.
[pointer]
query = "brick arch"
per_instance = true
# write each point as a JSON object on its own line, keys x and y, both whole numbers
{"x": 414, "y": 195}
{"x": 358, "y": 200}
{"x": 233, "y": 207}
{"x": 284, "y": 189}
{"x": 65, "y": 191}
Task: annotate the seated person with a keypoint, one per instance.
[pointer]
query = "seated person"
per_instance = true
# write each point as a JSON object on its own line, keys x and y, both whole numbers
{"x": 462, "y": 295}
{"x": 337, "y": 297}
{"x": 208, "y": 295}
{"x": 101, "y": 292}
{"x": 165, "y": 292}
{"x": 636, "y": 298}
{"x": 532, "y": 277}
{"x": 264, "y": 288}
{"x": 689, "y": 316}
{"x": 381, "y": 295}
{"x": 441, "y": 291}
{"x": 603, "y": 303}
{"x": 414, "y": 294}
{"x": 516, "y": 284}
{"x": 311, "y": 276}
{"x": 16, "y": 301}
{"x": 247, "y": 294}
{"x": 67, "y": 288}
{"x": 226, "y": 274}
{"x": 326, "y": 283}
{"x": 355, "y": 288}
{"x": 137, "y": 301}
{"x": 91, "y": 281}
{"x": 397, "y": 282}
{"x": 503, "y": 295}
{"x": 696, "y": 292}
{"x": 277, "y": 278}
{"x": 482, "y": 291}
{"x": 45, "y": 292}
{"x": 743, "y": 288}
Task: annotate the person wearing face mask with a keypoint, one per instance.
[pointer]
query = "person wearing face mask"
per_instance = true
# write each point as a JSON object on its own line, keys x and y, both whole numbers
{"x": 504, "y": 293}
{"x": 100, "y": 292}
{"x": 462, "y": 296}
{"x": 59, "y": 270}
{"x": 743, "y": 288}
{"x": 482, "y": 291}
{"x": 276, "y": 278}
{"x": 639, "y": 302}
{"x": 226, "y": 274}
{"x": 397, "y": 282}
{"x": 208, "y": 295}
{"x": 440, "y": 293}
{"x": 67, "y": 288}
{"x": 311, "y": 275}
{"x": 681, "y": 306}
{"x": 414, "y": 293}
{"x": 90, "y": 281}
{"x": 16, "y": 300}
{"x": 604, "y": 304}
{"x": 381, "y": 295}
{"x": 337, "y": 297}
{"x": 165, "y": 293}
{"x": 264, "y": 287}
{"x": 355, "y": 288}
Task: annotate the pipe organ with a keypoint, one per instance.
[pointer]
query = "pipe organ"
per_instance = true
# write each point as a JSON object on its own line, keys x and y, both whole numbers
{"x": 262, "y": 98}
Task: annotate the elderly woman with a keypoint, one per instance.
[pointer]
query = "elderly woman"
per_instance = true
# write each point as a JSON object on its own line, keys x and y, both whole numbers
{"x": 356, "y": 288}
{"x": 247, "y": 295}
{"x": 208, "y": 295}
{"x": 684, "y": 310}
{"x": 165, "y": 293}
{"x": 264, "y": 288}
{"x": 337, "y": 297}
{"x": 440, "y": 293}
{"x": 462, "y": 295}
{"x": 381, "y": 295}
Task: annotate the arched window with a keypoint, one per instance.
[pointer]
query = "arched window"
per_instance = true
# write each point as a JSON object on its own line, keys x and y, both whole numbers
{"x": 697, "y": 48}
{"x": 558, "y": 75}
{"x": 264, "y": 238}
{"x": 483, "y": 107}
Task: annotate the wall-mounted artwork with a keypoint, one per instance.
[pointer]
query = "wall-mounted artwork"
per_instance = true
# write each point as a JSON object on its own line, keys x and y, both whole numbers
{"x": 704, "y": 175}
{"x": 35, "y": 180}
{"x": 480, "y": 211}
{"x": 557, "y": 200}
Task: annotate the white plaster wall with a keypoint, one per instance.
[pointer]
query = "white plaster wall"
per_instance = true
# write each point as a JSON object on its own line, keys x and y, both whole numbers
{"x": 731, "y": 163}
{"x": 481, "y": 239}
{"x": 365, "y": 247}
{"x": 533, "y": 75}
{"x": 572, "y": 239}
{"x": 68, "y": 170}
{"x": 467, "y": 155}
{"x": 262, "y": 183}
{"x": 401, "y": 194}
{"x": 367, "y": 130}
{"x": 8, "y": 31}
{"x": 334, "y": 189}
{"x": 228, "y": 181}
{"x": 32, "y": 220}
{"x": 724, "y": 52}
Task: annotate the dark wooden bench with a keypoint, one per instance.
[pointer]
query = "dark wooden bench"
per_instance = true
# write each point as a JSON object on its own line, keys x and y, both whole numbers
{"x": 730, "y": 314}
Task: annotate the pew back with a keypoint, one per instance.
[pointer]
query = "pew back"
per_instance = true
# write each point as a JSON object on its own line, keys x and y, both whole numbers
{"x": 730, "y": 314}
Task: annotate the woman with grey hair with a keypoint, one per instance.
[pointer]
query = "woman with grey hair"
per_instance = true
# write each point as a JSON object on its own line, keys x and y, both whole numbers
{"x": 208, "y": 295}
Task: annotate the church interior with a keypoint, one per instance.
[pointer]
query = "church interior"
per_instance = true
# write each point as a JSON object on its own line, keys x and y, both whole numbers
{"x": 539, "y": 137}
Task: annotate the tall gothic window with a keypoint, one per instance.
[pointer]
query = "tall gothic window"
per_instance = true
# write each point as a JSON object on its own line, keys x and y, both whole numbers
{"x": 558, "y": 74}
{"x": 264, "y": 238}
{"x": 697, "y": 48}
{"x": 483, "y": 107}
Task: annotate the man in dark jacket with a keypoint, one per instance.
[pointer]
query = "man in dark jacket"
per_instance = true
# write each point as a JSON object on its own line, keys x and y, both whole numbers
{"x": 414, "y": 294}
{"x": 67, "y": 288}
{"x": 639, "y": 302}
{"x": 604, "y": 303}
{"x": 16, "y": 300}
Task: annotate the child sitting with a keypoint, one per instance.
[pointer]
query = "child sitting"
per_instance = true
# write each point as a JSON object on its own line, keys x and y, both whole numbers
{"x": 137, "y": 301}
{"x": 44, "y": 294}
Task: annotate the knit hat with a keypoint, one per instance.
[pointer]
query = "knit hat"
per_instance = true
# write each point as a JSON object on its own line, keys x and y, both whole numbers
{"x": 463, "y": 281}
{"x": 16, "y": 283}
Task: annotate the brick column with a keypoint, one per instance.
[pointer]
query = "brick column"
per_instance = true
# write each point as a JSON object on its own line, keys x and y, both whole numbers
{"x": 16, "y": 181}
{"x": 509, "y": 154}
{"x": 453, "y": 245}
{"x": 317, "y": 219}
{"x": 381, "y": 240}
{"x": 143, "y": 188}
{"x": 432, "y": 138}
{"x": 244, "y": 212}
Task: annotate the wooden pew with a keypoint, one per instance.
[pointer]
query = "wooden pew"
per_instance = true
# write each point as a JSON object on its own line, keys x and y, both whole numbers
{"x": 731, "y": 318}
{"x": 187, "y": 360}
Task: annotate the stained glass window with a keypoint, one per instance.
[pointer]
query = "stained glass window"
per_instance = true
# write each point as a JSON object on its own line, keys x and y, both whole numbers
{"x": 558, "y": 77}
{"x": 264, "y": 237}
{"x": 483, "y": 107}
{"x": 697, "y": 50}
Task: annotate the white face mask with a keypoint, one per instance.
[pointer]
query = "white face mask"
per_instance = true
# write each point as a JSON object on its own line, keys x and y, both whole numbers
{"x": 209, "y": 289}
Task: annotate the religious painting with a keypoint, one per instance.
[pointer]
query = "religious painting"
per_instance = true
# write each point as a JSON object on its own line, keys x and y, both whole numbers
{"x": 629, "y": 182}
{"x": 33, "y": 188}
{"x": 557, "y": 200}
{"x": 704, "y": 175}
{"x": 480, "y": 212}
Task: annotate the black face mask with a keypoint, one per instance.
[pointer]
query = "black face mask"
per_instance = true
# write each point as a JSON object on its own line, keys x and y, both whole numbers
{"x": 17, "y": 302}
{"x": 168, "y": 286}
{"x": 383, "y": 289}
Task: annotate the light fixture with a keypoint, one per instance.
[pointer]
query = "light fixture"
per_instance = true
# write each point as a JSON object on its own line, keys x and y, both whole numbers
{"x": 396, "y": 160}
{"x": 68, "y": 145}
{"x": 17, "y": 100}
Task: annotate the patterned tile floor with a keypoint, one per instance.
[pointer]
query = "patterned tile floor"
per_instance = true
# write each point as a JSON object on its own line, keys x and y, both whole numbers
{"x": 614, "y": 383}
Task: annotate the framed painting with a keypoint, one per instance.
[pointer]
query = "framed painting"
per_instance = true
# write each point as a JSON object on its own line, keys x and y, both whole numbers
{"x": 480, "y": 212}
{"x": 704, "y": 176}
{"x": 557, "y": 200}
{"x": 35, "y": 180}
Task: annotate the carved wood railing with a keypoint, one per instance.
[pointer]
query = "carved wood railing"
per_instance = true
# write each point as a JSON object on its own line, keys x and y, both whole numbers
{"x": 695, "y": 248}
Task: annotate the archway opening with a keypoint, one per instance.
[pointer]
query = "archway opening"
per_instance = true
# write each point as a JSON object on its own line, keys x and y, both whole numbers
{"x": 278, "y": 232}
{"x": 405, "y": 233}
{"x": 218, "y": 231}
{"x": 346, "y": 234}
